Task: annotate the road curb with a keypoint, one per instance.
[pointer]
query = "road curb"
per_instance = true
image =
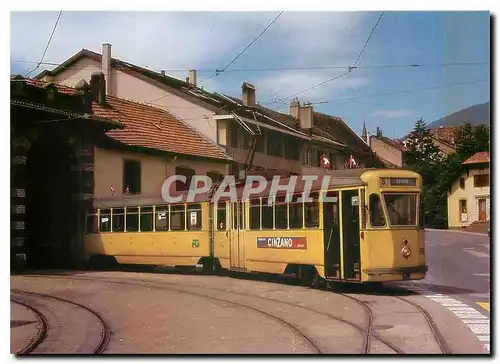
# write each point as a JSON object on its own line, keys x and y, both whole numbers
{"x": 457, "y": 231}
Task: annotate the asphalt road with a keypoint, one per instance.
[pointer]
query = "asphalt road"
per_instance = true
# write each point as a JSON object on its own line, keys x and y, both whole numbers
{"x": 459, "y": 266}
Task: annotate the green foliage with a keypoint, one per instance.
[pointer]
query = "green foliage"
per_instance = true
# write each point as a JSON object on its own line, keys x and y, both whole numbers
{"x": 439, "y": 171}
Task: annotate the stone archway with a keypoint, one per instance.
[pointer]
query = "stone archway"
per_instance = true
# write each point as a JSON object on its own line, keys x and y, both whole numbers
{"x": 49, "y": 207}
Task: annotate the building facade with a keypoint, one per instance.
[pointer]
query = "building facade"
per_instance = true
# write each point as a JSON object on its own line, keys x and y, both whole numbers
{"x": 78, "y": 149}
{"x": 469, "y": 195}
{"x": 298, "y": 142}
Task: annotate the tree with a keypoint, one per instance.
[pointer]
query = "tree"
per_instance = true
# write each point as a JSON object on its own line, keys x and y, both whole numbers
{"x": 425, "y": 158}
{"x": 470, "y": 140}
{"x": 439, "y": 172}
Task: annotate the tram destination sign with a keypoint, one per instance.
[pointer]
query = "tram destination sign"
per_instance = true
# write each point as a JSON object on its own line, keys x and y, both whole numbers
{"x": 278, "y": 242}
{"x": 397, "y": 182}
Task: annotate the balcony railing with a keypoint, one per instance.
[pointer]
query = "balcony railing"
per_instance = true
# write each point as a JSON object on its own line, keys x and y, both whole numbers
{"x": 265, "y": 161}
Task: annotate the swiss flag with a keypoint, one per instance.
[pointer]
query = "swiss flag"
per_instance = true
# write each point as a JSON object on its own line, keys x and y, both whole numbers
{"x": 325, "y": 162}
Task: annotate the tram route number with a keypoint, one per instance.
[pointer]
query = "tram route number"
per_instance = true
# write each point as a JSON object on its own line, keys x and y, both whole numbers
{"x": 282, "y": 242}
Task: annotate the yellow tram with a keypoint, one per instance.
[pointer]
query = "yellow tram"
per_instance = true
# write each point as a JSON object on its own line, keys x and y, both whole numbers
{"x": 363, "y": 226}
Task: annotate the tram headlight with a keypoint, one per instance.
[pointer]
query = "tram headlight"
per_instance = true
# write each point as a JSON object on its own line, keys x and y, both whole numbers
{"x": 406, "y": 252}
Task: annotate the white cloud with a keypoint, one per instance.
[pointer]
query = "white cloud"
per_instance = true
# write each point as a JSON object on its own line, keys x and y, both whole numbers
{"x": 183, "y": 40}
{"x": 392, "y": 114}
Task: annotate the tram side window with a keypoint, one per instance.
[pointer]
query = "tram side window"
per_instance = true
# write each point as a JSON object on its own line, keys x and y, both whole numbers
{"x": 296, "y": 213}
{"x": 132, "y": 219}
{"x": 118, "y": 220}
{"x": 194, "y": 217}
{"x": 280, "y": 213}
{"x": 255, "y": 214}
{"x": 146, "y": 218}
{"x": 221, "y": 216}
{"x": 267, "y": 214}
{"x": 161, "y": 223}
{"x": 105, "y": 220}
{"x": 312, "y": 212}
{"x": 177, "y": 217}
{"x": 92, "y": 222}
{"x": 377, "y": 217}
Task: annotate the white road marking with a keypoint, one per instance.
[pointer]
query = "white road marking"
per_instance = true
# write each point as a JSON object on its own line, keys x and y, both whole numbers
{"x": 454, "y": 304}
{"x": 464, "y": 308}
{"x": 480, "y": 329}
{"x": 469, "y": 315}
{"x": 481, "y": 274}
{"x": 478, "y": 323}
{"x": 477, "y": 254}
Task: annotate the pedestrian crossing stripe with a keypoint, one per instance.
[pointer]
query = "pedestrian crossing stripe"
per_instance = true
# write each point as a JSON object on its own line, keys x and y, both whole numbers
{"x": 485, "y": 305}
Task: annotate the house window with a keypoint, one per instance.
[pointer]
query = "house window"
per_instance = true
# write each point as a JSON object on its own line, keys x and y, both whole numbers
{"x": 188, "y": 173}
{"x": 481, "y": 180}
{"x": 462, "y": 183}
{"x": 274, "y": 144}
{"x": 292, "y": 149}
{"x": 315, "y": 162}
{"x": 307, "y": 156}
{"x": 221, "y": 134}
{"x": 131, "y": 177}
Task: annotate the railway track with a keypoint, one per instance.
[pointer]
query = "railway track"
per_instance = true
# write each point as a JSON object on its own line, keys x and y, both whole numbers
{"x": 53, "y": 325}
{"x": 41, "y": 331}
{"x": 367, "y": 331}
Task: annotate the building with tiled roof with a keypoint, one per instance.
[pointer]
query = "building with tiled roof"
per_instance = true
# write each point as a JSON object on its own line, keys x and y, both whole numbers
{"x": 78, "y": 149}
{"x": 389, "y": 151}
{"x": 293, "y": 143}
{"x": 478, "y": 158}
{"x": 469, "y": 195}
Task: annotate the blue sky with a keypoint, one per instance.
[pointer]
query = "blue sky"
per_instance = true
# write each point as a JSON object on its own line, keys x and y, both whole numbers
{"x": 174, "y": 41}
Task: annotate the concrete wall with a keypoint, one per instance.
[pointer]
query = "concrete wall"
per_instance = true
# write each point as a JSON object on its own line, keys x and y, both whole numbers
{"x": 132, "y": 88}
{"x": 108, "y": 171}
{"x": 386, "y": 151}
{"x": 472, "y": 195}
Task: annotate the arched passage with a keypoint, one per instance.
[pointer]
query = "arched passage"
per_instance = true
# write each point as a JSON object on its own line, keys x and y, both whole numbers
{"x": 48, "y": 204}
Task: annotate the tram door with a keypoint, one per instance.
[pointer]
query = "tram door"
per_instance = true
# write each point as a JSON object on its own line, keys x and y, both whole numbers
{"x": 331, "y": 237}
{"x": 350, "y": 234}
{"x": 237, "y": 235}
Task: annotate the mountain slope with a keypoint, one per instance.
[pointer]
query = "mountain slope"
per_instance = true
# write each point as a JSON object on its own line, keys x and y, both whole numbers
{"x": 476, "y": 115}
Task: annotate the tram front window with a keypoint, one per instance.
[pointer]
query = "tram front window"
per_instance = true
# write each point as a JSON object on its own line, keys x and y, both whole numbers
{"x": 377, "y": 218}
{"x": 401, "y": 208}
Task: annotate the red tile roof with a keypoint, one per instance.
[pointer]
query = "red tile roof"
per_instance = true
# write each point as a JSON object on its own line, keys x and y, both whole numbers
{"x": 149, "y": 127}
{"x": 446, "y": 134}
{"x": 479, "y": 157}
{"x": 392, "y": 142}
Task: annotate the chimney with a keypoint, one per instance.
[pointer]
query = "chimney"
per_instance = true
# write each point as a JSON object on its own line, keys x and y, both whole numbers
{"x": 83, "y": 90}
{"x": 295, "y": 108}
{"x": 248, "y": 94}
{"x": 306, "y": 117}
{"x": 106, "y": 65}
{"x": 98, "y": 87}
{"x": 192, "y": 77}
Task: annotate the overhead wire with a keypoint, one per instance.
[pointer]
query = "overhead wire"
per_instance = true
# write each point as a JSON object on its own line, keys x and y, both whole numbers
{"x": 47, "y": 45}
{"x": 349, "y": 69}
{"x": 319, "y": 68}
{"x": 218, "y": 72}
{"x": 401, "y": 92}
